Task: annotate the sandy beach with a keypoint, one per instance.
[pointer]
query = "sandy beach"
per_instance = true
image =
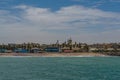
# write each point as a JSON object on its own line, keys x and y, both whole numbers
{"x": 53, "y": 54}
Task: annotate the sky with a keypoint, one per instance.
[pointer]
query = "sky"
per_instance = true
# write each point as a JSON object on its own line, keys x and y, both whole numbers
{"x": 46, "y": 21}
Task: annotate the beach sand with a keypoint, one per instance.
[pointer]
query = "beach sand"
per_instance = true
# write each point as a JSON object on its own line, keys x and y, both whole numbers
{"x": 53, "y": 54}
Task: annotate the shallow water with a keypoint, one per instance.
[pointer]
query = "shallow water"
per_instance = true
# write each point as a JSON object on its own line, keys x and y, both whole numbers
{"x": 59, "y": 68}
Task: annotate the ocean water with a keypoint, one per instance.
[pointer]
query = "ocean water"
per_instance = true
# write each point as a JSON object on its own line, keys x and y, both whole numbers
{"x": 59, "y": 68}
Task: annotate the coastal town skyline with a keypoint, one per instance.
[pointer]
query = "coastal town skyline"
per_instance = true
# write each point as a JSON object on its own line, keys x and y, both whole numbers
{"x": 58, "y": 42}
{"x": 45, "y": 21}
{"x": 65, "y": 47}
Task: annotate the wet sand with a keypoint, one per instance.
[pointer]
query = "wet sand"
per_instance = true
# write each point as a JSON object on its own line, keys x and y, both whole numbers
{"x": 53, "y": 54}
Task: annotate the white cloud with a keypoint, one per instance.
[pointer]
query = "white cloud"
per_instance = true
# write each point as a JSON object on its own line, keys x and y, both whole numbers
{"x": 42, "y": 24}
{"x": 99, "y": 3}
{"x": 115, "y": 0}
{"x": 71, "y": 14}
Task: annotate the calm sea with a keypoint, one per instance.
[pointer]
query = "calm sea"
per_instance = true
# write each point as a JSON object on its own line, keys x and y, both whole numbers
{"x": 61, "y": 68}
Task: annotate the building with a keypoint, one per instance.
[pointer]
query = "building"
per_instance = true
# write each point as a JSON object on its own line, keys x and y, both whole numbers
{"x": 52, "y": 49}
{"x": 35, "y": 50}
{"x": 2, "y": 50}
{"x": 20, "y": 50}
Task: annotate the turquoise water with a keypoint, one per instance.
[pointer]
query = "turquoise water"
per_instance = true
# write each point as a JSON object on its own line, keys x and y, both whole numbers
{"x": 79, "y": 68}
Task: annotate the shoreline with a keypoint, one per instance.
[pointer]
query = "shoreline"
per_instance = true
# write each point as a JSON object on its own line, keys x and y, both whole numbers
{"x": 52, "y": 55}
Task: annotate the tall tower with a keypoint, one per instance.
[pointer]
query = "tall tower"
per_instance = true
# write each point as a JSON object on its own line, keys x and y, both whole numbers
{"x": 70, "y": 43}
{"x": 57, "y": 43}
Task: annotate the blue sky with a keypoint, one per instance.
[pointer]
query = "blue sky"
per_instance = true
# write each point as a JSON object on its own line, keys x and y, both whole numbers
{"x": 46, "y": 21}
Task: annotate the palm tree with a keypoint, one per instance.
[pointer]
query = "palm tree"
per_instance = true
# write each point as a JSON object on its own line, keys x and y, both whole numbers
{"x": 86, "y": 48}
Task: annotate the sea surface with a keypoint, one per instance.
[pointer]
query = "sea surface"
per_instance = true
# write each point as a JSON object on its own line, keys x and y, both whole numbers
{"x": 59, "y": 68}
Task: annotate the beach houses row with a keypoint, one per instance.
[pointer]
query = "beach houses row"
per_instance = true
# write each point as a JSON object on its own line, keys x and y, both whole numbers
{"x": 33, "y": 50}
{"x": 68, "y": 47}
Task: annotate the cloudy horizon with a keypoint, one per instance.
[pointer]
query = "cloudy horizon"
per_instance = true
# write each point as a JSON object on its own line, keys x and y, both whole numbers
{"x": 38, "y": 21}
